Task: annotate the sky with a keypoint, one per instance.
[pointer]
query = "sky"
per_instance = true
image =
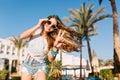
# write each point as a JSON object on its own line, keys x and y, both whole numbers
{"x": 17, "y": 16}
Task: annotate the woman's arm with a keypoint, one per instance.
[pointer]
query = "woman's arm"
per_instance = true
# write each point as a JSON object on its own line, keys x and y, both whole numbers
{"x": 55, "y": 49}
{"x": 52, "y": 54}
{"x": 29, "y": 32}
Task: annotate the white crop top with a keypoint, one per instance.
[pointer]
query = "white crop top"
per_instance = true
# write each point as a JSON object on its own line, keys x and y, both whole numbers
{"x": 37, "y": 46}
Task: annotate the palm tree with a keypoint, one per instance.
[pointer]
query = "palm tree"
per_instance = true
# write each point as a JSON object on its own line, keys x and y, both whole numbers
{"x": 84, "y": 20}
{"x": 80, "y": 38}
{"x": 115, "y": 38}
{"x": 101, "y": 62}
{"x": 18, "y": 43}
{"x": 109, "y": 62}
{"x": 54, "y": 70}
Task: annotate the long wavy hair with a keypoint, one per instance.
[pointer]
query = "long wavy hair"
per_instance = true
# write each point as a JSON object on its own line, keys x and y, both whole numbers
{"x": 70, "y": 37}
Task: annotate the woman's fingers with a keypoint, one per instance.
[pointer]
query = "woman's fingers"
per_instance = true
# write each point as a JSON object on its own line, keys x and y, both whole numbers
{"x": 45, "y": 19}
{"x": 42, "y": 20}
{"x": 59, "y": 39}
{"x": 62, "y": 33}
{"x": 59, "y": 33}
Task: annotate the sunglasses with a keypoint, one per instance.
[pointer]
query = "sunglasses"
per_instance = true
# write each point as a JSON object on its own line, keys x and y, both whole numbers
{"x": 52, "y": 25}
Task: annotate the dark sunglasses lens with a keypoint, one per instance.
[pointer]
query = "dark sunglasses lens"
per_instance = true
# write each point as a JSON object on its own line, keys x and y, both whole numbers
{"x": 53, "y": 26}
{"x": 49, "y": 22}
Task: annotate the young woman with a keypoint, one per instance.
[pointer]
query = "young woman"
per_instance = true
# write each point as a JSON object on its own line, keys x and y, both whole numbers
{"x": 45, "y": 40}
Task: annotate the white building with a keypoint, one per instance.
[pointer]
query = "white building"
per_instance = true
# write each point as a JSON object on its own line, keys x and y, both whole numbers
{"x": 9, "y": 51}
{"x": 1, "y": 64}
{"x": 71, "y": 65}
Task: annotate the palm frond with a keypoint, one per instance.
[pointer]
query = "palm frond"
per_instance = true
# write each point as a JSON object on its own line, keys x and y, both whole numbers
{"x": 102, "y": 17}
{"x": 87, "y": 12}
{"x": 18, "y": 42}
{"x": 94, "y": 15}
{"x": 74, "y": 13}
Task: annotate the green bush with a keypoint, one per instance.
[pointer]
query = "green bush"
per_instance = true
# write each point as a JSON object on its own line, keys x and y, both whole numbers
{"x": 3, "y": 74}
{"x": 93, "y": 75}
{"x": 106, "y": 74}
{"x": 16, "y": 78}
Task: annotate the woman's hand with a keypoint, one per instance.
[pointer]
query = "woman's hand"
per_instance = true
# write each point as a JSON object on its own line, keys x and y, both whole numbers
{"x": 40, "y": 22}
{"x": 59, "y": 39}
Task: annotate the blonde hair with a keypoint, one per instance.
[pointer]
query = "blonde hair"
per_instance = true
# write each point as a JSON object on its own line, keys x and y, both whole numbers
{"x": 70, "y": 37}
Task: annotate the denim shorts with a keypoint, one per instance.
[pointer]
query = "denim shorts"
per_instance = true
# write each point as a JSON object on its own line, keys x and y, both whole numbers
{"x": 31, "y": 66}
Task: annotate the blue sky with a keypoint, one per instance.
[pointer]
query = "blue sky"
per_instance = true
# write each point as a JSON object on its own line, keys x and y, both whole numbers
{"x": 19, "y": 15}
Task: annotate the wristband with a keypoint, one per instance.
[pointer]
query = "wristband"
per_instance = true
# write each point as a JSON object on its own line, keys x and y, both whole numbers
{"x": 54, "y": 53}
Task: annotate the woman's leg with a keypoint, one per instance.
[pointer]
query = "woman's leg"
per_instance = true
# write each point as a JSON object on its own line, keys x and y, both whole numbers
{"x": 25, "y": 76}
{"x": 40, "y": 75}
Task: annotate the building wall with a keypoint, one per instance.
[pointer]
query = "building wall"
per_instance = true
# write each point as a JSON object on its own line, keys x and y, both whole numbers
{"x": 9, "y": 51}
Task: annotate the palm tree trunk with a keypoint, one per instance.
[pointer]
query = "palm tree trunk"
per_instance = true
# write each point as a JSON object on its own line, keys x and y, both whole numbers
{"x": 18, "y": 63}
{"x": 61, "y": 55}
{"x": 116, "y": 39}
{"x": 89, "y": 52}
{"x": 80, "y": 59}
{"x": 61, "y": 59}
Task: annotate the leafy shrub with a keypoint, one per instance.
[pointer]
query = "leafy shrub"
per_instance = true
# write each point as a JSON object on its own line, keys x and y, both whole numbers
{"x": 3, "y": 74}
{"x": 16, "y": 78}
{"x": 106, "y": 74}
{"x": 93, "y": 75}
{"x": 54, "y": 70}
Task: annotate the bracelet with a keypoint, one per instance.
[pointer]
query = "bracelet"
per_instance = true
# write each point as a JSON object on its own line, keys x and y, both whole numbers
{"x": 54, "y": 53}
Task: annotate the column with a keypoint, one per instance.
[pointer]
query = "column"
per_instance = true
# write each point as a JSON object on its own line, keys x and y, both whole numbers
{"x": 66, "y": 74}
{"x": 21, "y": 53}
{"x": 16, "y": 51}
{"x": 74, "y": 73}
{"x": 10, "y": 67}
{"x": 5, "y": 49}
{"x": 0, "y": 46}
{"x": 11, "y": 49}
